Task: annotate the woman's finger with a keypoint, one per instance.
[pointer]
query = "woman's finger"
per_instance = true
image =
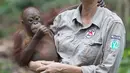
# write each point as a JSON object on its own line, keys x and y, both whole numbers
{"x": 34, "y": 65}
{"x": 43, "y": 62}
{"x": 44, "y": 71}
{"x": 46, "y": 62}
{"x": 101, "y": 3}
{"x": 42, "y": 68}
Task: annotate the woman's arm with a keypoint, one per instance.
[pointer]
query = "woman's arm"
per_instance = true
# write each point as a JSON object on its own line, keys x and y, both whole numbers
{"x": 53, "y": 67}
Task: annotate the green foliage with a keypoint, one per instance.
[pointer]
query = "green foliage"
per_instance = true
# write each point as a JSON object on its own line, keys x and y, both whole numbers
{"x": 2, "y": 33}
{"x": 111, "y": 4}
{"x": 125, "y": 65}
{"x": 5, "y": 66}
{"x": 5, "y": 32}
{"x": 3, "y": 9}
{"x": 57, "y": 3}
{"x": 20, "y": 4}
{"x": 126, "y": 53}
{"x": 13, "y": 8}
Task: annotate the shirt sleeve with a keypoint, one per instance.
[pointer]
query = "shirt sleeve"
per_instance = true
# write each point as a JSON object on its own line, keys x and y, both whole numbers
{"x": 113, "y": 51}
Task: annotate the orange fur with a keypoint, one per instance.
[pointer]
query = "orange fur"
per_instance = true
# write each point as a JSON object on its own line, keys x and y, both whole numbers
{"x": 27, "y": 40}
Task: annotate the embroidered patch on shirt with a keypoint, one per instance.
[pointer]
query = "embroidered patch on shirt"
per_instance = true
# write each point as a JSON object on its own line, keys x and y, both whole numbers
{"x": 115, "y": 37}
{"x": 115, "y": 42}
{"x": 90, "y": 33}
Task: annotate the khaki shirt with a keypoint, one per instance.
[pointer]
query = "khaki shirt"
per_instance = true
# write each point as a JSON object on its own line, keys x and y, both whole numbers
{"x": 97, "y": 47}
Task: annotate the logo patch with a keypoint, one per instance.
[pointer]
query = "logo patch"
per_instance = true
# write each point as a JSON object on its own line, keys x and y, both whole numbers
{"x": 115, "y": 42}
{"x": 90, "y": 33}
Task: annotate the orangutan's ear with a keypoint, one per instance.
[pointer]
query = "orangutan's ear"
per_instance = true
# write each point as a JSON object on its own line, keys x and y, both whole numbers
{"x": 22, "y": 22}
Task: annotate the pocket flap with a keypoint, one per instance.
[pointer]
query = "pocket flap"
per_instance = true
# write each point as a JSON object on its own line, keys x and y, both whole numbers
{"x": 94, "y": 42}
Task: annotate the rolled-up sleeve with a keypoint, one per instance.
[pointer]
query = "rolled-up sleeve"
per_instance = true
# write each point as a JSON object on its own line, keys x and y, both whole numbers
{"x": 113, "y": 51}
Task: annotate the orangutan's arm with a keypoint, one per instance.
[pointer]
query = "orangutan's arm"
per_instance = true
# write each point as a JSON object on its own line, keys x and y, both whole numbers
{"x": 28, "y": 52}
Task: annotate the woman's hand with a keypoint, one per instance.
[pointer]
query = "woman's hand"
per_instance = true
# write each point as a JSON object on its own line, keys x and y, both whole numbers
{"x": 54, "y": 67}
{"x": 51, "y": 67}
{"x": 46, "y": 66}
{"x": 34, "y": 65}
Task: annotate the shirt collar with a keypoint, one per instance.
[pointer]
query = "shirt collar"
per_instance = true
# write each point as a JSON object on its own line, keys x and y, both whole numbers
{"x": 96, "y": 20}
{"x": 76, "y": 15}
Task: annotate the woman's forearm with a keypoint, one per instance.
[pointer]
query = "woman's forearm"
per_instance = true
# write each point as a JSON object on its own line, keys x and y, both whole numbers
{"x": 54, "y": 67}
{"x": 71, "y": 69}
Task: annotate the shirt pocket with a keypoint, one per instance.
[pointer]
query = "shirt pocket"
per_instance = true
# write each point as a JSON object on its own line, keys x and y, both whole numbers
{"x": 63, "y": 35}
{"x": 65, "y": 46}
{"x": 90, "y": 51}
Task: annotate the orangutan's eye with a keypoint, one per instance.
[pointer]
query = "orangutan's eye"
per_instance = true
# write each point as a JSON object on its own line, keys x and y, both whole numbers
{"x": 30, "y": 20}
{"x": 37, "y": 18}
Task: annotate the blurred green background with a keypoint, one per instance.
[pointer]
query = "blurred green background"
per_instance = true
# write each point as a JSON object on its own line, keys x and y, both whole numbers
{"x": 10, "y": 11}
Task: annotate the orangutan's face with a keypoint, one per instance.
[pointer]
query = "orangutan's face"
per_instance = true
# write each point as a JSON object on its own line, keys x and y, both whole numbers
{"x": 31, "y": 19}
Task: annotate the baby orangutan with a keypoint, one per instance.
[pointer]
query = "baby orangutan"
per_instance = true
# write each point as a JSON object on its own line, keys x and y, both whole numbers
{"x": 35, "y": 42}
